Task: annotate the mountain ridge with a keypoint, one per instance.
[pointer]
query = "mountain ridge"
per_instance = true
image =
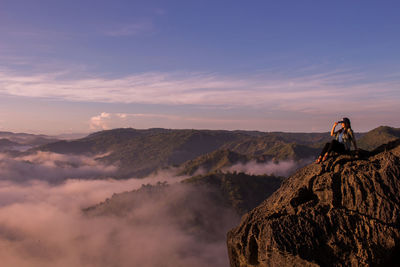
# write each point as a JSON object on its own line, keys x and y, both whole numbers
{"x": 137, "y": 153}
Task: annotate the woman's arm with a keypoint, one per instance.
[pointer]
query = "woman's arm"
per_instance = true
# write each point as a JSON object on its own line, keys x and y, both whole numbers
{"x": 333, "y": 129}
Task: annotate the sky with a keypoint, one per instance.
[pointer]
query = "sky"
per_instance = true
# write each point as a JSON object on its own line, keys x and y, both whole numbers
{"x": 84, "y": 66}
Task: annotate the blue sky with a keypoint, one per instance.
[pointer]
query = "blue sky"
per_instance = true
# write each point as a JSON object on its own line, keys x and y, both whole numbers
{"x": 83, "y": 66}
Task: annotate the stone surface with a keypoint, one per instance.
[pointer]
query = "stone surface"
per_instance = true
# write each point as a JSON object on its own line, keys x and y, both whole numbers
{"x": 344, "y": 212}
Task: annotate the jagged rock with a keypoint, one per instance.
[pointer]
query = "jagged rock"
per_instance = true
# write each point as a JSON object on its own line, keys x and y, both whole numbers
{"x": 344, "y": 212}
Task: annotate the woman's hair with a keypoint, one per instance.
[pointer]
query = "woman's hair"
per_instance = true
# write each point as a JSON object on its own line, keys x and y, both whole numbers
{"x": 347, "y": 121}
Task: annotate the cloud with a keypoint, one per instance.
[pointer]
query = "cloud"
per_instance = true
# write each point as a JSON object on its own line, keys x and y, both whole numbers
{"x": 309, "y": 93}
{"x": 101, "y": 121}
{"x": 281, "y": 168}
{"x": 51, "y": 167}
{"x": 130, "y": 29}
{"x": 42, "y": 224}
{"x": 259, "y": 101}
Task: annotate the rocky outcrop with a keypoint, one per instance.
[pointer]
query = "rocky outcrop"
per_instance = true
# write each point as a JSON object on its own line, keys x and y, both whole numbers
{"x": 344, "y": 212}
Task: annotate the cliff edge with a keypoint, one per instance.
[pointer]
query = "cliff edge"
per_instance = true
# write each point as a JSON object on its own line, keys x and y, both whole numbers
{"x": 344, "y": 212}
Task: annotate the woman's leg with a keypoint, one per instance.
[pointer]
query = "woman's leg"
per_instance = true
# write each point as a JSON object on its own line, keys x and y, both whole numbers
{"x": 323, "y": 152}
{"x": 334, "y": 146}
{"x": 325, "y": 149}
{"x": 337, "y": 147}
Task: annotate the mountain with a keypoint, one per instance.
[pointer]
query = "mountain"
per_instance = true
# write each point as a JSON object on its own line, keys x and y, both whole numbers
{"x": 137, "y": 153}
{"x": 13, "y": 143}
{"x": 344, "y": 212}
{"x": 236, "y": 191}
{"x": 70, "y": 136}
{"x": 211, "y": 162}
{"x": 241, "y": 191}
{"x": 251, "y": 149}
{"x": 140, "y": 152}
{"x": 28, "y": 139}
{"x": 223, "y": 159}
{"x": 272, "y": 147}
{"x": 7, "y": 145}
{"x": 4, "y": 142}
{"x": 378, "y": 136}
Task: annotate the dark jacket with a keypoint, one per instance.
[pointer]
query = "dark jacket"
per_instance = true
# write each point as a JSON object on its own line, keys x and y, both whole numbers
{"x": 348, "y": 137}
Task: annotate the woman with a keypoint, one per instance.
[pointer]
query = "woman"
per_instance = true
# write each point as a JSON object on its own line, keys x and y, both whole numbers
{"x": 342, "y": 142}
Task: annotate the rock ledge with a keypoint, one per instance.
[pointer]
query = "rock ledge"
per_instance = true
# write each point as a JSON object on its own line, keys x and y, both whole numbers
{"x": 344, "y": 212}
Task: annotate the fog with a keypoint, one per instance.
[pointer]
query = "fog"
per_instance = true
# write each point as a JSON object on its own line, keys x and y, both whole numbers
{"x": 281, "y": 168}
{"x": 51, "y": 167}
{"x": 42, "y": 222}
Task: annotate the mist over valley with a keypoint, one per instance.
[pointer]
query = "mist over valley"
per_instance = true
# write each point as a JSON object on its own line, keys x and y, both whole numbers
{"x": 155, "y": 197}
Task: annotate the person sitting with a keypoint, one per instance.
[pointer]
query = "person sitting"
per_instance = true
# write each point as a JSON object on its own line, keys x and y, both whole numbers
{"x": 342, "y": 142}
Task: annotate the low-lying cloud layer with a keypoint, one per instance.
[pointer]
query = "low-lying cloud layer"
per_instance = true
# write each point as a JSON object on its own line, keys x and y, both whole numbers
{"x": 281, "y": 168}
{"x": 42, "y": 223}
{"x": 51, "y": 167}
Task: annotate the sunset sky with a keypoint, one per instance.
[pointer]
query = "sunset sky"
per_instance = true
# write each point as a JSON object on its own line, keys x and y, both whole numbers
{"x": 82, "y": 66}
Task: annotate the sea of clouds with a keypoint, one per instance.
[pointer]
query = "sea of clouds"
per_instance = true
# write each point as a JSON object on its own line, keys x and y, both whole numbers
{"x": 51, "y": 167}
{"x": 42, "y": 223}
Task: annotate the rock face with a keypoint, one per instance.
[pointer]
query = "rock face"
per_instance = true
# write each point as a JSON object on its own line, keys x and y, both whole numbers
{"x": 344, "y": 212}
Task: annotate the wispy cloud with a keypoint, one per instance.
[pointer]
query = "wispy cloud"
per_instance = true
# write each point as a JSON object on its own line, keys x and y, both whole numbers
{"x": 311, "y": 93}
{"x": 130, "y": 29}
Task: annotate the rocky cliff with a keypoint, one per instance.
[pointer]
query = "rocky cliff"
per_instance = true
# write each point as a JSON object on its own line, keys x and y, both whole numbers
{"x": 344, "y": 212}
